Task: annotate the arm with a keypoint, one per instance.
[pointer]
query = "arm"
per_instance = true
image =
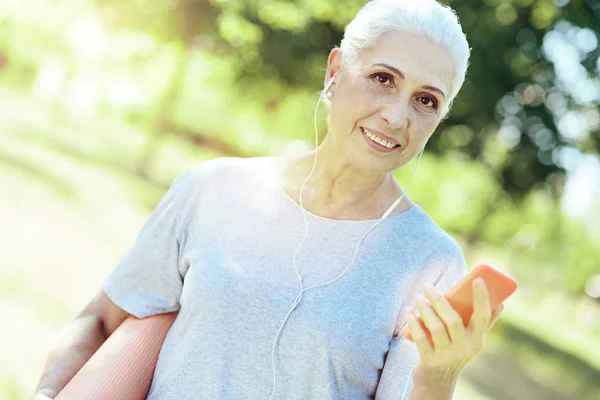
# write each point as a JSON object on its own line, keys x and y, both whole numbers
{"x": 77, "y": 342}
{"x": 424, "y": 389}
{"x": 402, "y": 377}
{"x": 148, "y": 281}
{"x": 452, "y": 345}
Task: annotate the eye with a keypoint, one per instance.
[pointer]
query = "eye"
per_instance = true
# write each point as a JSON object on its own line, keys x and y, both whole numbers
{"x": 384, "y": 79}
{"x": 428, "y": 102}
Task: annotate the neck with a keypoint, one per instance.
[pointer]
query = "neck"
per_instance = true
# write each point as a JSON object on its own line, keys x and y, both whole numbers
{"x": 337, "y": 189}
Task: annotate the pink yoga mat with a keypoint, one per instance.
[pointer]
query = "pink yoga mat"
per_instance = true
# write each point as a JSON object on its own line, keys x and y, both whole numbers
{"x": 123, "y": 366}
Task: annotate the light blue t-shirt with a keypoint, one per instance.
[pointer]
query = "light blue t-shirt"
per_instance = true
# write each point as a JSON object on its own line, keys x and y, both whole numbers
{"x": 219, "y": 249}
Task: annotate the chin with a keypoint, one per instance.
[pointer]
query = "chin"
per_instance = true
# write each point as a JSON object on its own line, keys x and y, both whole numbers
{"x": 366, "y": 159}
{"x": 369, "y": 163}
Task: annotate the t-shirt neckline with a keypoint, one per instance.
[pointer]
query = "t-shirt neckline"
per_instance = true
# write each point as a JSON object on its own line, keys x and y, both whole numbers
{"x": 312, "y": 216}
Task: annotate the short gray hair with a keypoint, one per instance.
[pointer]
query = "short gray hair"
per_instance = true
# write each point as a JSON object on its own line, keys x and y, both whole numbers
{"x": 423, "y": 17}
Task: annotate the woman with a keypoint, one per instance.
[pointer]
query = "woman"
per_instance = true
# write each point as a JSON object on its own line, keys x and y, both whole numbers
{"x": 295, "y": 287}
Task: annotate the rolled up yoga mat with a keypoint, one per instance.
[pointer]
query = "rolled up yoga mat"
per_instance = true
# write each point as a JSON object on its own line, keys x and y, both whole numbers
{"x": 123, "y": 367}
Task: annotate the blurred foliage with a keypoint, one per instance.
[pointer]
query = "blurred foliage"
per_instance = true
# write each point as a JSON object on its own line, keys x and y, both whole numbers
{"x": 279, "y": 47}
{"x": 103, "y": 102}
{"x": 241, "y": 77}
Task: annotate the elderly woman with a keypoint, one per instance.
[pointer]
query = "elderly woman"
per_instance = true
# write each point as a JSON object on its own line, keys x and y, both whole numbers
{"x": 294, "y": 277}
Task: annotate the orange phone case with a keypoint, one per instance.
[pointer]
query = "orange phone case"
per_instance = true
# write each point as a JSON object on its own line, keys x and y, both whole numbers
{"x": 460, "y": 296}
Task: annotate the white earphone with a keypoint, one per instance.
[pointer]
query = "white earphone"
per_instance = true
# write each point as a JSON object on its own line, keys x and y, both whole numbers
{"x": 298, "y": 276}
{"x": 325, "y": 90}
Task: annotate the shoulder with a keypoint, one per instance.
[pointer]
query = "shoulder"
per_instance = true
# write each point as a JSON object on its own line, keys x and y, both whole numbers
{"x": 441, "y": 252}
{"x": 447, "y": 263}
{"x": 430, "y": 236}
{"x": 214, "y": 179}
{"x": 223, "y": 168}
{"x": 205, "y": 184}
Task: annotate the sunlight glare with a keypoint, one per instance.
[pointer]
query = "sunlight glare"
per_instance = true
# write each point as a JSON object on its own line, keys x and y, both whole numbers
{"x": 87, "y": 37}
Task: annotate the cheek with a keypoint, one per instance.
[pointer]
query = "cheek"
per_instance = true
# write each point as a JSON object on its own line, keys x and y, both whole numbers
{"x": 351, "y": 105}
{"x": 427, "y": 125}
{"x": 368, "y": 100}
{"x": 422, "y": 128}
{"x": 361, "y": 96}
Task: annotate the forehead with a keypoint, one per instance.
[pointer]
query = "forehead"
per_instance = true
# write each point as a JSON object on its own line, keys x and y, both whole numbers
{"x": 422, "y": 61}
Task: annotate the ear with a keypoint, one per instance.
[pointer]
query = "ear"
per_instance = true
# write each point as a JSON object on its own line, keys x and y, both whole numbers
{"x": 334, "y": 64}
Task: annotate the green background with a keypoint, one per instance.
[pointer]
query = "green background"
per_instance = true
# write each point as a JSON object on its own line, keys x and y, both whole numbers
{"x": 103, "y": 103}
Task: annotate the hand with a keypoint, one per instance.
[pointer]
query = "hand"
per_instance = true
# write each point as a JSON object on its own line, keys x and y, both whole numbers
{"x": 452, "y": 345}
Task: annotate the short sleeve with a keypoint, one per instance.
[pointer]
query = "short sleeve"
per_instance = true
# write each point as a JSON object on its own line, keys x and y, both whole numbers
{"x": 402, "y": 356}
{"x": 148, "y": 280}
{"x": 446, "y": 268}
{"x": 455, "y": 270}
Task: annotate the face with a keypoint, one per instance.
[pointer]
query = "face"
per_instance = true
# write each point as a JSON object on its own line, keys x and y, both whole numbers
{"x": 396, "y": 91}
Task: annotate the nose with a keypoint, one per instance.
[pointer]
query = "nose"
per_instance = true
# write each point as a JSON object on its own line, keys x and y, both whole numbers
{"x": 395, "y": 114}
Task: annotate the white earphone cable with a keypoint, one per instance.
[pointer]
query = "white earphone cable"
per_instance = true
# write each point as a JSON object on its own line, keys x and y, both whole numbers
{"x": 298, "y": 276}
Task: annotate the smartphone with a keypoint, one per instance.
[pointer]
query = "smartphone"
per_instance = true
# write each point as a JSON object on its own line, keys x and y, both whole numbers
{"x": 460, "y": 296}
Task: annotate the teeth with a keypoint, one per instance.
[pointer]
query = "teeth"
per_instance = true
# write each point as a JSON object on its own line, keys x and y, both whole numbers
{"x": 378, "y": 140}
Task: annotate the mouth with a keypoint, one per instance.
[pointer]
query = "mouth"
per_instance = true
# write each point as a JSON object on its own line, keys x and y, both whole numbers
{"x": 385, "y": 145}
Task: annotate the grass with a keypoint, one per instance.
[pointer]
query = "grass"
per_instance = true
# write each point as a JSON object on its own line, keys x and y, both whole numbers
{"x": 545, "y": 322}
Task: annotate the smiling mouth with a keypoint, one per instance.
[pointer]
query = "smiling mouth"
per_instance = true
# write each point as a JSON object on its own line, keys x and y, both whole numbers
{"x": 379, "y": 141}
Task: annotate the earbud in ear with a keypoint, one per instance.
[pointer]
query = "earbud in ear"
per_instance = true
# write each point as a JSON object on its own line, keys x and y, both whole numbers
{"x": 331, "y": 81}
{"x": 329, "y": 94}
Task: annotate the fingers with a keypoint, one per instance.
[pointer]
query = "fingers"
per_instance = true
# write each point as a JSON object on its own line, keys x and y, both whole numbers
{"x": 433, "y": 323}
{"x": 450, "y": 318}
{"x": 419, "y": 335}
{"x": 482, "y": 314}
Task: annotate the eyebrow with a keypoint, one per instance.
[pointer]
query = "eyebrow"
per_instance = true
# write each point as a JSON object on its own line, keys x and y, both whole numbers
{"x": 402, "y": 76}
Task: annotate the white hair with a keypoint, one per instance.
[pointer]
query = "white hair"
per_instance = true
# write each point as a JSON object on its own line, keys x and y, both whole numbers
{"x": 422, "y": 17}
